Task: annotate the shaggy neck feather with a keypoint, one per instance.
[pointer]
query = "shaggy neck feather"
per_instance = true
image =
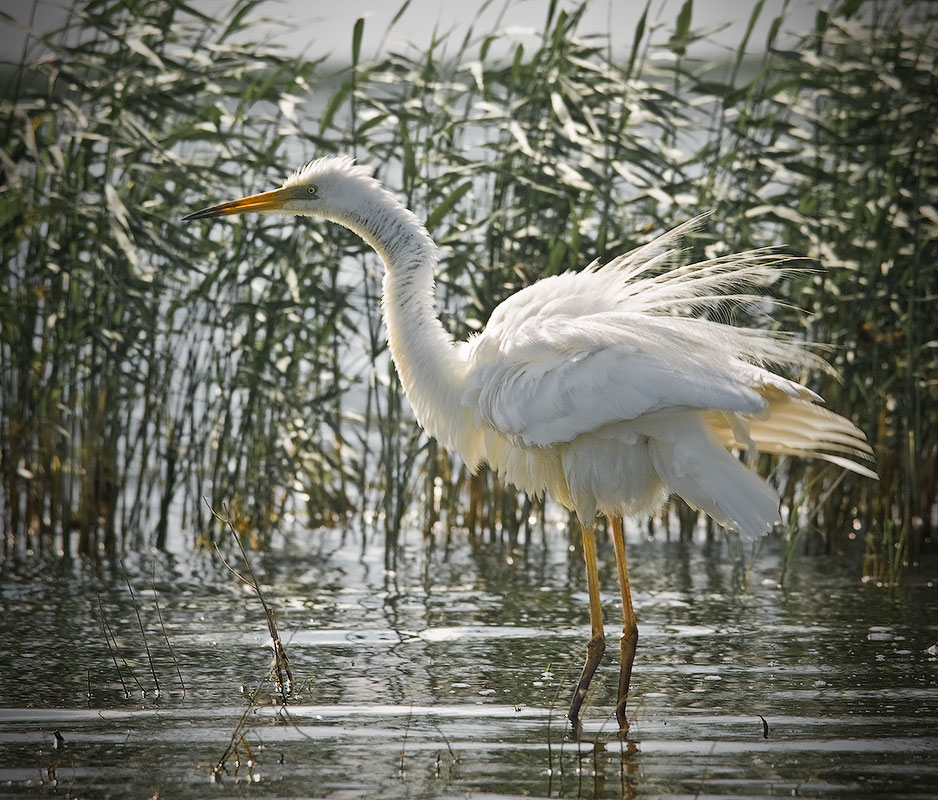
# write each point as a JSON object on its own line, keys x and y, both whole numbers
{"x": 423, "y": 351}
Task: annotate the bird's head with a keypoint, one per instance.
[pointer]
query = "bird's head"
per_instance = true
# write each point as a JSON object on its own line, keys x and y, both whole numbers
{"x": 332, "y": 188}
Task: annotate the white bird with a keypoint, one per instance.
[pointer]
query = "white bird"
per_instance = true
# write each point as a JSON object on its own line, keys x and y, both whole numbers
{"x": 606, "y": 388}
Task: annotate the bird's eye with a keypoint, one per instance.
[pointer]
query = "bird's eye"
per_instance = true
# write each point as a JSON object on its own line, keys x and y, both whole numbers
{"x": 312, "y": 190}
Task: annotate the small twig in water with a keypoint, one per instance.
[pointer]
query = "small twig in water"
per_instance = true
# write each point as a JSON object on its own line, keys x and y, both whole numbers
{"x": 114, "y": 650}
{"x": 172, "y": 653}
{"x": 765, "y": 727}
{"x": 410, "y": 714}
{"x": 281, "y": 665}
{"x": 452, "y": 753}
{"x": 236, "y": 736}
{"x": 550, "y": 716}
{"x": 143, "y": 633}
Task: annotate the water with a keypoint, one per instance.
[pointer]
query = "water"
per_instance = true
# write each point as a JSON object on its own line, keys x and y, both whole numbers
{"x": 449, "y": 677}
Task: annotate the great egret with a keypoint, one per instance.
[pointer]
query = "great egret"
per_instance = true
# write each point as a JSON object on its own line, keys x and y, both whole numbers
{"x": 606, "y": 388}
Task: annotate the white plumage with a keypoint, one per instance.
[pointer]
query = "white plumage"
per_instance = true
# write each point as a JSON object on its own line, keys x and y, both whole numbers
{"x": 606, "y": 388}
{"x": 601, "y": 373}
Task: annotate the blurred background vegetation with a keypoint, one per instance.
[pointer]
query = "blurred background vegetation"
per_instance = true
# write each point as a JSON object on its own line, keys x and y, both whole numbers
{"x": 147, "y": 364}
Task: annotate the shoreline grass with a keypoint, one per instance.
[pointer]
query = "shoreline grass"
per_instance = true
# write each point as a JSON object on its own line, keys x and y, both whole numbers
{"x": 144, "y": 365}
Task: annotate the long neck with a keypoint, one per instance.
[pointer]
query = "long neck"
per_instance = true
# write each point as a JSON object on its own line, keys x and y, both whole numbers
{"x": 424, "y": 354}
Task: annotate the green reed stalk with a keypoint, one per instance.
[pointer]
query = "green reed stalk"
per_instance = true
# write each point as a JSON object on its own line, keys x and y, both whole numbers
{"x": 144, "y": 364}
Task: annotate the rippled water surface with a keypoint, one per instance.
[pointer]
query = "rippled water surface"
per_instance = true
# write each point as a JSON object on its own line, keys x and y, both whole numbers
{"x": 449, "y": 676}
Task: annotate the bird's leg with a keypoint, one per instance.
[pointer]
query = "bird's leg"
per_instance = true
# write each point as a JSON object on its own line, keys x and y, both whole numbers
{"x": 597, "y": 642}
{"x": 629, "y": 639}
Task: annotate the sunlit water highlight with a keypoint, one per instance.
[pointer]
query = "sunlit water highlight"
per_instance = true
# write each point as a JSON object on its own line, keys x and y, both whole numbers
{"x": 449, "y": 676}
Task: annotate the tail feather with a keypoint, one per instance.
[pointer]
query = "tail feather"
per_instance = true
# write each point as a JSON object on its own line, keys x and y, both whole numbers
{"x": 797, "y": 426}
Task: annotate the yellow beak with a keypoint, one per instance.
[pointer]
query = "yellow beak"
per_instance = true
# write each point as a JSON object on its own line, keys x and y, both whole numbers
{"x": 266, "y": 201}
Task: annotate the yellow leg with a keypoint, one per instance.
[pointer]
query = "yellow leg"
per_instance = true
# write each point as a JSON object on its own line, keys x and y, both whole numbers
{"x": 597, "y": 642}
{"x": 629, "y": 638}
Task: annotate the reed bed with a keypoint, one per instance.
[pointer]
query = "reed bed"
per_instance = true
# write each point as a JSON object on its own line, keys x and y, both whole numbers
{"x": 145, "y": 364}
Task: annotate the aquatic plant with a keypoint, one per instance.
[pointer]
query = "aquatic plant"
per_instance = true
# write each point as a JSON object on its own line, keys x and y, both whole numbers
{"x": 144, "y": 366}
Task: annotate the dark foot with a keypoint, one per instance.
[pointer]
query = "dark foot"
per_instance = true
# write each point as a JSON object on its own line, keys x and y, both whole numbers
{"x": 627, "y": 645}
{"x": 594, "y": 652}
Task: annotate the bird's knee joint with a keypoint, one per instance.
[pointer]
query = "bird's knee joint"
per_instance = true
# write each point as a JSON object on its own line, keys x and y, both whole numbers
{"x": 596, "y": 646}
{"x": 629, "y": 634}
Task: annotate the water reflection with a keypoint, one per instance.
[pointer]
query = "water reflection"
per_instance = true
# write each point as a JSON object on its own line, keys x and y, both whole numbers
{"x": 450, "y": 674}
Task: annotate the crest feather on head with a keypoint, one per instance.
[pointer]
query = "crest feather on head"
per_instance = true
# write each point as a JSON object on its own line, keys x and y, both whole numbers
{"x": 326, "y": 165}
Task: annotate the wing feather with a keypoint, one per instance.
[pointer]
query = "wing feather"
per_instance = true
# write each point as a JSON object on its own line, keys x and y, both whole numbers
{"x": 576, "y": 352}
{"x": 570, "y": 376}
